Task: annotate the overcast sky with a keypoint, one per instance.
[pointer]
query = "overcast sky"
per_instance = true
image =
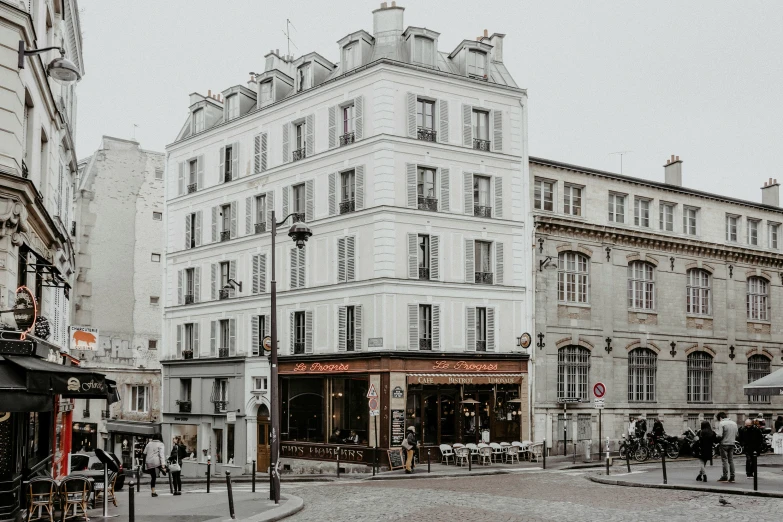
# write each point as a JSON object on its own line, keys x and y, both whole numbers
{"x": 698, "y": 79}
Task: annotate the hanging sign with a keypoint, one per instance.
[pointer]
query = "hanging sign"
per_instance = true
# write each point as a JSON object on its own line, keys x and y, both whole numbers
{"x": 84, "y": 338}
{"x": 25, "y": 310}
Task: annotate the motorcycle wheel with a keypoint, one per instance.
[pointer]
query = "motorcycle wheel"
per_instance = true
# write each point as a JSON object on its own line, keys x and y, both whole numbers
{"x": 641, "y": 454}
{"x": 623, "y": 451}
{"x": 737, "y": 448}
{"x": 672, "y": 451}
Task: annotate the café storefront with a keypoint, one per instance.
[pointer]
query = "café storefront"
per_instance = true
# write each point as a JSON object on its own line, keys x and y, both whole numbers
{"x": 447, "y": 397}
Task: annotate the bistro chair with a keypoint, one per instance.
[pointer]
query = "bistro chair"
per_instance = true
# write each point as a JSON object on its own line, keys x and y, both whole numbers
{"x": 75, "y": 492}
{"x": 463, "y": 454}
{"x": 535, "y": 451}
{"x": 497, "y": 452}
{"x": 485, "y": 452}
{"x": 446, "y": 453}
{"x": 474, "y": 451}
{"x": 511, "y": 454}
{"x": 42, "y": 492}
{"x": 98, "y": 488}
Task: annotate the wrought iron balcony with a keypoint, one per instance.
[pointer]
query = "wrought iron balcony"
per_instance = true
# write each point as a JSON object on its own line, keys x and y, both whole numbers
{"x": 428, "y": 204}
{"x": 484, "y": 278}
{"x": 187, "y": 354}
{"x": 227, "y": 177}
{"x": 192, "y": 187}
{"x": 25, "y": 171}
{"x": 425, "y": 134}
{"x": 425, "y": 344}
{"x": 185, "y": 406}
{"x": 299, "y": 154}
{"x": 224, "y": 294}
{"x": 347, "y": 206}
{"x": 221, "y": 406}
{"x": 424, "y": 272}
{"x": 481, "y": 211}
{"x": 260, "y": 227}
{"x": 349, "y": 346}
{"x": 222, "y": 352}
{"x": 481, "y": 346}
{"x": 225, "y": 235}
{"x": 298, "y": 217}
{"x": 86, "y": 414}
{"x": 481, "y": 144}
{"x": 105, "y": 414}
{"x": 299, "y": 348}
{"x": 189, "y": 299}
{"x": 347, "y": 139}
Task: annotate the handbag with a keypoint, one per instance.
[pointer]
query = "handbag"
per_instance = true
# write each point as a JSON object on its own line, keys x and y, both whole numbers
{"x": 174, "y": 466}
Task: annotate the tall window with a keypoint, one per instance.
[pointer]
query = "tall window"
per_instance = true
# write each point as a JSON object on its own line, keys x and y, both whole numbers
{"x": 198, "y": 120}
{"x": 477, "y": 64}
{"x": 758, "y": 289}
{"x": 699, "y": 298}
{"x": 572, "y": 200}
{"x": 641, "y": 285}
{"x": 426, "y": 189}
{"x": 481, "y": 329}
{"x": 190, "y": 282}
{"x": 425, "y": 110}
{"x": 641, "y": 212}
{"x": 225, "y": 221}
{"x": 732, "y": 224}
{"x": 689, "y": 220}
{"x": 424, "y": 50}
{"x": 302, "y": 78}
{"x": 642, "y": 367}
{"x": 299, "y": 199}
{"x": 544, "y": 195}
{"x": 224, "y": 273}
{"x": 758, "y": 367}
{"x": 223, "y": 340}
{"x": 139, "y": 399}
{"x": 424, "y": 257}
{"x": 348, "y": 120}
{"x": 482, "y": 205}
{"x": 483, "y": 261}
{"x": 666, "y": 219}
{"x": 232, "y": 106}
{"x": 349, "y": 57}
{"x": 260, "y": 211}
{"x": 192, "y": 174}
{"x": 189, "y": 337}
{"x": 259, "y": 348}
{"x": 191, "y": 243}
{"x": 425, "y": 327}
{"x": 572, "y": 277}
{"x": 266, "y": 92}
{"x": 699, "y": 377}
{"x": 299, "y": 332}
{"x": 300, "y": 136}
{"x": 228, "y": 175}
{"x": 347, "y": 191}
{"x": 185, "y": 387}
{"x": 753, "y": 232}
{"x": 350, "y": 328}
{"x": 774, "y": 233}
{"x": 616, "y": 208}
{"x": 573, "y": 367}
{"x": 481, "y": 125}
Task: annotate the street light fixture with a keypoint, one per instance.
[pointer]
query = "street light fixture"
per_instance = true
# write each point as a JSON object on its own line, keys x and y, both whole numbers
{"x": 60, "y": 69}
{"x": 299, "y": 234}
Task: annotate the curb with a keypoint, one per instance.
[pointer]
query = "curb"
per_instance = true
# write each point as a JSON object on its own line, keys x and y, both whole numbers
{"x": 292, "y": 505}
{"x": 722, "y": 491}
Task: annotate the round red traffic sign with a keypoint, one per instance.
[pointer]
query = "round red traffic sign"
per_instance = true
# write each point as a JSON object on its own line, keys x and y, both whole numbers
{"x": 599, "y": 390}
{"x": 373, "y": 403}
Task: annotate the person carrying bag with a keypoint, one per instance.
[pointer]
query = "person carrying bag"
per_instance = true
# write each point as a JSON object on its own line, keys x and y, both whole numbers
{"x": 154, "y": 460}
{"x": 175, "y": 466}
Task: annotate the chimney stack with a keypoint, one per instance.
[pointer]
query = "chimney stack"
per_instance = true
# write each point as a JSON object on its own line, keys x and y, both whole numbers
{"x": 673, "y": 171}
{"x": 387, "y": 23}
{"x": 770, "y": 193}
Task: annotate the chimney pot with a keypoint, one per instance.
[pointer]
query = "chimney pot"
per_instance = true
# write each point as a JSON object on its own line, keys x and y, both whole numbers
{"x": 486, "y": 33}
{"x": 383, "y": 5}
{"x": 277, "y": 52}
{"x": 672, "y": 171}
{"x": 394, "y": 4}
{"x": 770, "y": 193}
{"x": 209, "y": 93}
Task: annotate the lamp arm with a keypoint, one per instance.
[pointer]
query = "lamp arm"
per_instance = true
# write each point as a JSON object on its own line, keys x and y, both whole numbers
{"x": 32, "y": 52}
{"x": 281, "y": 223}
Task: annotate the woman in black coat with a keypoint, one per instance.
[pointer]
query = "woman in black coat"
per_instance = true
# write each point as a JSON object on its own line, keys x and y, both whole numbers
{"x": 704, "y": 448}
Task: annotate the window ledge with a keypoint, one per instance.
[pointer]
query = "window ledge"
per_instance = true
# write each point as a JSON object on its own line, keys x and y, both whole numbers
{"x": 698, "y": 316}
{"x": 755, "y": 321}
{"x": 642, "y": 312}
{"x": 575, "y": 305}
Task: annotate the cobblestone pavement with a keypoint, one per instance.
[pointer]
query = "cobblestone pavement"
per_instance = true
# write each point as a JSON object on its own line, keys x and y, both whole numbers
{"x": 527, "y": 495}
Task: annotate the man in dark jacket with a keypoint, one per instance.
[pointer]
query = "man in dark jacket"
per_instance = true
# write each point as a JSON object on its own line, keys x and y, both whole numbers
{"x": 752, "y": 441}
{"x": 409, "y": 443}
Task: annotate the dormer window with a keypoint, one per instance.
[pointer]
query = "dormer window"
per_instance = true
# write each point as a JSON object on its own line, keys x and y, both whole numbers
{"x": 198, "y": 120}
{"x": 302, "y": 77}
{"x": 232, "y": 107}
{"x": 349, "y": 56}
{"x": 266, "y": 92}
{"x": 424, "y": 50}
{"x": 477, "y": 64}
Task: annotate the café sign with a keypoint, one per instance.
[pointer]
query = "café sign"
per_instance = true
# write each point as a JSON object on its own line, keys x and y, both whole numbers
{"x": 464, "y": 379}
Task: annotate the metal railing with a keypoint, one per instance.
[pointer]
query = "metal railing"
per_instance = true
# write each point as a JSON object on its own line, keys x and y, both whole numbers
{"x": 428, "y": 204}
{"x": 225, "y": 235}
{"x": 425, "y": 344}
{"x": 347, "y": 139}
{"x": 192, "y": 187}
{"x": 185, "y": 406}
{"x": 347, "y": 206}
{"x": 223, "y": 294}
{"x": 299, "y": 154}
{"x": 298, "y": 217}
{"x": 481, "y": 346}
{"x": 25, "y": 171}
{"x": 425, "y": 134}
{"x": 221, "y": 406}
{"x": 105, "y": 414}
{"x": 349, "y": 346}
{"x": 299, "y": 348}
{"x": 481, "y": 211}
{"x": 187, "y": 354}
{"x": 227, "y": 177}
{"x": 260, "y": 227}
{"x": 189, "y": 299}
{"x": 424, "y": 272}
{"x": 479, "y": 144}
{"x": 222, "y": 352}
{"x": 484, "y": 278}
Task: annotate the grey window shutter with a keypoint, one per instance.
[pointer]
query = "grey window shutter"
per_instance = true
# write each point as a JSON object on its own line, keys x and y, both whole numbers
{"x": 498, "y": 263}
{"x": 302, "y": 275}
{"x": 213, "y": 268}
{"x": 286, "y": 195}
{"x": 410, "y": 171}
{"x": 198, "y": 228}
{"x": 222, "y": 165}
{"x": 470, "y": 334}
{"x": 212, "y": 338}
{"x": 341, "y": 328}
{"x": 179, "y": 341}
{"x": 359, "y": 173}
{"x": 262, "y": 273}
{"x": 498, "y": 211}
{"x": 197, "y": 284}
{"x": 233, "y": 223}
{"x": 358, "y": 117}
{"x": 309, "y": 203}
{"x": 200, "y": 172}
{"x": 188, "y": 231}
{"x": 308, "y": 331}
{"x": 445, "y": 189}
{"x": 270, "y": 207}
{"x": 497, "y": 142}
{"x": 443, "y": 130}
{"x": 294, "y": 269}
{"x": 309, "y": 133}
{"x": 490, "y": 329}
{"x": 264, "y": 151}
{"x": 413, "y": 327}
{"x": 214, "y": 223}
{"x": 257, "y": 153}
{"x": 341, "y": 260}
{"x": 357, "y": 328}
{"x": 333, "y": 126}
{"x": 413, "y": 256}
{"x": 255, "y": 335}
{"x": 467, "y": 125}
{"x": 256, "y": 273}
{"x": 235, "y": 160}
{"x": 196, "y": 344}
{"x": 470, "y": 261}
{"x": 232, "y": 336}
{"x": 293, "y": 331}
{"x": 286, "y": 155}
{"x": 467, "y": 189}
{"x": 350, "y": 258}
{"x": 181, "y": 179}
{"x": 332, "y": 193}
{"x": 411, "y": 115}
{"x": 248, "y": 215}
{"x": 434, "y": 257}
{"x": 436, "y": 327}
{"x": 180, "y": 276}
{"x": 267, "y": 325}
{"x": 232, "y": 274}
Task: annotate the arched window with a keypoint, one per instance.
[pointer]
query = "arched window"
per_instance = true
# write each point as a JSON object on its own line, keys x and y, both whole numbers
{"x": 699, "y": 292}
{"x": 573, "y": 368}
{"x": 758, "y": 367}
{"x": 758, "y": 289}
{"x": 642, "y": 366}
{"x": 641, "y": 285}
{"x": 572, "y": 277}
{"x": 699, "y": 377}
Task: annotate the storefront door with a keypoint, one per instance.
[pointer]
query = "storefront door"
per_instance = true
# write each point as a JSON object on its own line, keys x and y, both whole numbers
{"x": 262, "y": 453}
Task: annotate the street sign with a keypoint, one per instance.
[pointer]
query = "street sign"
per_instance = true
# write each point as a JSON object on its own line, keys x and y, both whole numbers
{"x": 375, "y": 413}
{"x": 231, "y": 416}
{"x": 267, "y": 344}
{"x": 599, "y": 390}
{"x": 598, "y": 404}
{"x": 373, "y": 403}
{"x": 371, "y": 392}
{"x": 569, "y": 399}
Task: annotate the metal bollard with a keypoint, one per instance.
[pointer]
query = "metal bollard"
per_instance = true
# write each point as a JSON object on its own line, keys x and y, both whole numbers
{"x": 543, "y": 453}
{"x": 628, "y": 458}
{"x": 230, "y": 495}
{"x": 374, "y": 460}
{"x": 663, "y": 465}
{"x": 338, "y": 464}
{"x": 470, "y": 460}
{"x": 755, "y": 471}
{"x": 138, "y": 479}
{"x": 254, "y": 477}
{"x": 131, "y": 502}
{"x": 428, "y": 460}
{"x": 574, "y": 452}
{"x": 209, "y": 474}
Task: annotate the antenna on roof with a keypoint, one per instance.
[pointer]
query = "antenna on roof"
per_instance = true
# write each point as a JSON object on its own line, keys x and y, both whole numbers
{"x": 133, "y": 129}
{"x": 287, "y": 34}
{"x": 621, "y": 154}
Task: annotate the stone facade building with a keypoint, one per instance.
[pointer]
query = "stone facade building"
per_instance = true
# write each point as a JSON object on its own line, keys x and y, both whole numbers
{"x": 669, "y": 296}
{"x": 410, "y": 166}
{"x": 119, "y": 245}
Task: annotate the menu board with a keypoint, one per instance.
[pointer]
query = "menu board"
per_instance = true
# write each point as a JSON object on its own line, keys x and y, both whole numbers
{"x": 397, "y": 427}
{"x": 395, "y": 458}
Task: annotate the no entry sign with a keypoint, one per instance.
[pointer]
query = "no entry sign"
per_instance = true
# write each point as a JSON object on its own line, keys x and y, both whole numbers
{"x": 599, "y": 390}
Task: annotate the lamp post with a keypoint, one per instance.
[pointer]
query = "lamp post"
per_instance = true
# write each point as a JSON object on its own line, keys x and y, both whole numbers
{"x": 299, "y": 233}
{"x": 60, "y": 69}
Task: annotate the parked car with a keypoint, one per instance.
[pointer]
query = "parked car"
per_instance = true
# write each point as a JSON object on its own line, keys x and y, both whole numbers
{"x": 88, "y": 461}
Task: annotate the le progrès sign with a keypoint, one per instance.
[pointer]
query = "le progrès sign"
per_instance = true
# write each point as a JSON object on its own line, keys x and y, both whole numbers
{"x": 83, "y": 338}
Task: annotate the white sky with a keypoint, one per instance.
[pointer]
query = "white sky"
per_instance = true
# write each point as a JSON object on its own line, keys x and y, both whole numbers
{"x": 698, "y": 79}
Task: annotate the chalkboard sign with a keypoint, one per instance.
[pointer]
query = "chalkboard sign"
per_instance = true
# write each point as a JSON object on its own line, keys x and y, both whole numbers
{"x": 395, "y": 458}
{"x": 397, "y": 427}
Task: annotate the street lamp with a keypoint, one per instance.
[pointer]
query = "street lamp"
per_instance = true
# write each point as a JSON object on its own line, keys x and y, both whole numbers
{"x": 299, "y": 234}
{"x": 60, "y": 69}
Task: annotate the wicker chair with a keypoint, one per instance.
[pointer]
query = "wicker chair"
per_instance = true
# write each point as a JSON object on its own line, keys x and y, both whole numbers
{"x": 75, "y": 492}
{"x": 485, "y": 453}
{"x": 511, "y": 454}
{"x": 463, "y": 454}
{"x": 42, "y": 492}
{"x": 98, "y": 488}
{"x": 446, "y": 453}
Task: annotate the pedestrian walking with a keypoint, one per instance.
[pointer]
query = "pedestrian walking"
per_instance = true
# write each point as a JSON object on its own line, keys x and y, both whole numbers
{"x": 779, "y": 424}
{"x": 410, "y": 443}
{"x": 704, "y": 449}
{"x": 727, "y": 436}
{"x": 175, "y": 465}
{"x": 154, "y": 460}
{"x": 752, "y": 440}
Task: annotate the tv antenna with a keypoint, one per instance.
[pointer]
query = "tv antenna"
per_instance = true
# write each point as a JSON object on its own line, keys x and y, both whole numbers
{"x": 621, "y": 154}
{"x": 287, "y": 33}
{"x": 133, "y": 129}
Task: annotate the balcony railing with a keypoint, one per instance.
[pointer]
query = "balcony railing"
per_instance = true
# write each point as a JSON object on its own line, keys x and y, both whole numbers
{"x": 299, "y": 154}
{"x": 479, "y": 144}
{"x": 227, "y": 177}
{"x": 424, "y": 272}
{"x": 185, "y": 406}
{"x": 187, "y": 354}
{"x": 481, "y": 346}
{"x": 189, "y": 299}
{"x": 428, "y": 204}
{"x": 86, "y": 414}
{"x": 425, "y": 134}
{"x": 225, "y": 235}
{"x": 347, "y": 206}
{"x": 425, "y": 344}
{"x": 298, "y": 217}
{"x": 221, "y": 406}
{"x": 349, "y": 346}
{"x": 223, "y": 294}
{"x": 105, "y": 414}
{"x": 347, "y": 139}
{"x": 481, "y": 211}
{"x": 192, "y": 187}
{"x": 25, "y": 171}
{"x": 260, "y": 227}
{"x": 299, "y": 348}
{"x": 222, "y": 352}
{"x": 484, "y": 278}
